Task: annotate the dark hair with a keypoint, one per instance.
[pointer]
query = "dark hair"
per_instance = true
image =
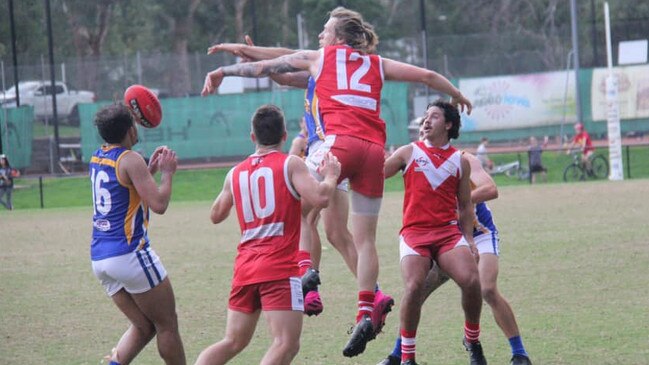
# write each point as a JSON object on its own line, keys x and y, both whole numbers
{"x": 113, "y": 122}
{"x": 268, "y": 125}
{"x": 451, "y": 115}
{"x": 356, "y": 33}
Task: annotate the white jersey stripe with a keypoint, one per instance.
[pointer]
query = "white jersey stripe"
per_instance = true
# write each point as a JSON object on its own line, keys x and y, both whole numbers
{"x": 263, "y": 231}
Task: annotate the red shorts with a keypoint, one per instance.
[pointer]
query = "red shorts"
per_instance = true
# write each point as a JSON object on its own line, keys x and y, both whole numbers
{"x": 430, "y": 243}
{"x": 361, "y": 162}
{"x": 279, "y": 295}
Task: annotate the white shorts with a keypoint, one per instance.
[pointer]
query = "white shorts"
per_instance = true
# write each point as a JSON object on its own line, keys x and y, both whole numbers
{"x": 315, "y": 157}
{"x": 488, "y": 243}
{"x": 137, "y": 272}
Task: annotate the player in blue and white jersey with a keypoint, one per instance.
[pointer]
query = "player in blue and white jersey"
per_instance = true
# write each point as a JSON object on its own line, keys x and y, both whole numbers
{"x": 123, "y": 191}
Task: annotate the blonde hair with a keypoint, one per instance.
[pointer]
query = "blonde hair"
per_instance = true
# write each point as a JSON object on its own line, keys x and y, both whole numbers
{"x": 351, "y": 28}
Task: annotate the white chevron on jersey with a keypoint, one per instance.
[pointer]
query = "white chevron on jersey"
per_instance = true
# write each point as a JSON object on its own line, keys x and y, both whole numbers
{"x": 435, "y": 175}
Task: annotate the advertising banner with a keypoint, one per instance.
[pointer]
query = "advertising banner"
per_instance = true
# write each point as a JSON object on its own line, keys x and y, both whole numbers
{"x": 521, "y": 101}
{"x": 633, "y": 92}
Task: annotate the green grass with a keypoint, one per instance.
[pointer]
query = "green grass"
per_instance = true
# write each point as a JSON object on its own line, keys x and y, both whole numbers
{"x": 40, "y": 130}
{"x": 574, "y": 266}
{"x": 191, "y": 185}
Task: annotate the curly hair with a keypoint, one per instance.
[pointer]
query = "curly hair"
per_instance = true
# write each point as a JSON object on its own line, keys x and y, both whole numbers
{"x": 356, "y": 33}
{"x": 451, "y": 115}
{"x": 113, "y": 122}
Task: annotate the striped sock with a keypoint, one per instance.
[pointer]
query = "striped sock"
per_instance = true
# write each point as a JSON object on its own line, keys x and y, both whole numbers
{"x": 303, "y": 261}
{"x": 516, "y": 344}
{"x": 365, "y": 304}
{"x": 472, "y": 332}
{"x": 408, "y": 339}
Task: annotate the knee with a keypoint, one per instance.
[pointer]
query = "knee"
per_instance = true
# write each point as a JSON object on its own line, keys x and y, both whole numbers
{"x": 489, "y": 293}
{"x": 339, "y": 238}
{"x": 414, "y": 288}
{"x": 236, "y": 345}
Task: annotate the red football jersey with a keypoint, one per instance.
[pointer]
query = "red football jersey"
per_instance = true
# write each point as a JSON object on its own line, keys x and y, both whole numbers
{"x": 348, "y": 87}
{"x": 432, "y": 180}
{"x": 268, "y": 209}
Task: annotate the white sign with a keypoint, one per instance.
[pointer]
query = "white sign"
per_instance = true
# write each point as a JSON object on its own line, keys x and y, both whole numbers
{"x": 631, "y": 52}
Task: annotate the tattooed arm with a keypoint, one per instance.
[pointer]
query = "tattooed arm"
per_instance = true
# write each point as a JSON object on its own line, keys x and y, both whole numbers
{"x": 299, "y": 61}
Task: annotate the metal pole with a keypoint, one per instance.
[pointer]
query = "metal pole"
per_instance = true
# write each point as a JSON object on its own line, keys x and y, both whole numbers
{"x": 575, "y": 48}
{"x": 4, "y": 110}
{"x": 593, "y": 30}
{"x": 50, "y": 43}
{"x": 13, "y": 49}
{"x": 40, "y": 189}
{"x": 565, "y": 96}
{"x": 628, "y": 162}
{"x": 254, "y": 32}
{"x": 424, "y": 36}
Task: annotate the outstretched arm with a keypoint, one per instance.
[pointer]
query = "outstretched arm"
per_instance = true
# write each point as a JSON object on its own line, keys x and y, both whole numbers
{"x": 400, "y": 71}
{"x": 299, "y": 61}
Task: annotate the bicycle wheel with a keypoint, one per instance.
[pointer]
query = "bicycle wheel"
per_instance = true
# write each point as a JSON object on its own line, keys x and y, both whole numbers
{"x": 573, "y": 173}
{"x": 523, "y": 173}
{"x": 599, "y": 167}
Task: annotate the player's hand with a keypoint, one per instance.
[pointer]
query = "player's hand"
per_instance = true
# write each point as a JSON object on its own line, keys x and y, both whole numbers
{"x": 153, "y": 160}
{"x": 212, "y": 82}
{"x": 167, "y": 161}
{"x": 330, "y": 166}
{"x": 474, "y": 250}
{"x": 462, "y": 103}
{"x": 232, "y": 48}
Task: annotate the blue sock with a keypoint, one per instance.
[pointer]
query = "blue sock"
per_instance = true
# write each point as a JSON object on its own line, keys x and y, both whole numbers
{"x": 516, "y": 344}
{"x": 396, "y": 352}
{"x": 377, "y": 287}
{"x": 114, "y": 363}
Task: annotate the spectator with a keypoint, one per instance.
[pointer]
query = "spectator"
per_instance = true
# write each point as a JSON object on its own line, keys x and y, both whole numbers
{"x": 481, "y": 154}
{"x": 582, "y": 141}
{"x": 536, "y": 163}
{"x": 6, "y": 182}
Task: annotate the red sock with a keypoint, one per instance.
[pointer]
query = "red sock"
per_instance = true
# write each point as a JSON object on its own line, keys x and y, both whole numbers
{"x": 472, "y": 331}
{"x": 408, "y": 345}
{"x": 365, "y": 304}
{"x": 303, "y": 261}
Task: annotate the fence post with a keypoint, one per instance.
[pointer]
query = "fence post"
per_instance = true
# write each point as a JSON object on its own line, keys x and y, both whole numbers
{"x": 40, "y": 189}
{"x": 628, "y": 164}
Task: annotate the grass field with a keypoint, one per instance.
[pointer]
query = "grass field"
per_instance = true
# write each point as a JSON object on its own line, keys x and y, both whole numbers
{"x": 575, "y": 267}
{"x": 194, "y": 185}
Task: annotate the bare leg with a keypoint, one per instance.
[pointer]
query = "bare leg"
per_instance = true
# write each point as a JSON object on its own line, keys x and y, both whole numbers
{"x": 364, "y": 233}
{"x": 159, "y": 306}
{"x": 312, "y": 237}
{"x": 335, "y": 223}
{"x": 461, "y": 267}
{"x": 501, "y": 309}
{"x": 285, "y": 327}
{"x": 238, "y": 332}
{"x": 414, "y": 270}
{"x": 138, "y": 334}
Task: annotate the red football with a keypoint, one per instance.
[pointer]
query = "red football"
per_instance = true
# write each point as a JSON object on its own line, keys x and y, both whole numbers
{"x": 144, "y": 105}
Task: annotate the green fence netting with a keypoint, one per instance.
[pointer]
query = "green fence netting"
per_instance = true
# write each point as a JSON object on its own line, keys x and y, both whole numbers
{"x": 16, "y": 129}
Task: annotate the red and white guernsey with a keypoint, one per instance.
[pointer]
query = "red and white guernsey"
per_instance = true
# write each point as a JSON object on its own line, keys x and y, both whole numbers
{"x": 268, "y": 208}
{"x": 348, "y": 86}
{"x": 431, "y": 179}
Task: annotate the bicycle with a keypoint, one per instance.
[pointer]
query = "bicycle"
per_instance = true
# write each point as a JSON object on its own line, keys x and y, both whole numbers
{"x": 512, "y": 169}
{"x": 576, "y": 171}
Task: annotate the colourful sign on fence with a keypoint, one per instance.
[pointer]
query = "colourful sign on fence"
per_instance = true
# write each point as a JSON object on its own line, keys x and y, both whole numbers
{"x": 633, "y": 92}
{"x": 519, "y": 101}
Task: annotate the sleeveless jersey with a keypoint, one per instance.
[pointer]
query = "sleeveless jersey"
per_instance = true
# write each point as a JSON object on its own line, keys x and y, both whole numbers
{"x": 484, "y": 222}
{"x": 431, "y": 179}
{"x": 120, "y": 219}
{"x": 348, "y": 86}
{"x": 268, "y": 209}
{"x": 314, "y": 126}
